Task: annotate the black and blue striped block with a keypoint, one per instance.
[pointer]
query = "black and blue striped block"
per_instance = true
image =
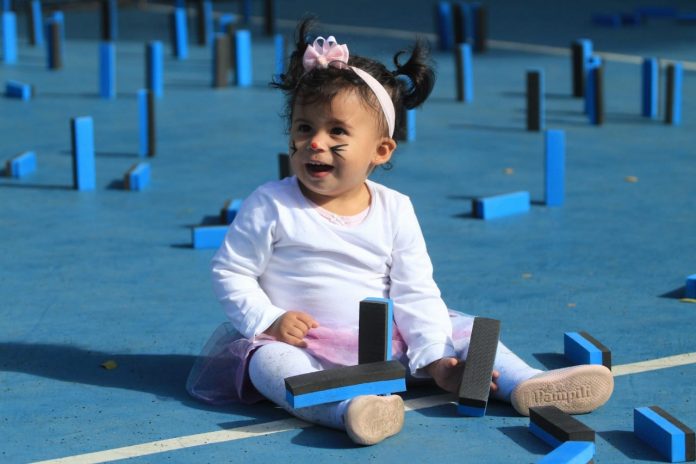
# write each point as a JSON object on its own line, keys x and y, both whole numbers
{"x": 137, "y": 177}
{"x": 375, "y": 332}
{"x": 670, "y": 437}
{"x": 328, "y": 386}
{"x": 583, "y": 348}
{"x": 570, "y": 452}
{"x": 554, "y": 426}
{"x": 478, "y": 368}
{"x": 21, "y": 165}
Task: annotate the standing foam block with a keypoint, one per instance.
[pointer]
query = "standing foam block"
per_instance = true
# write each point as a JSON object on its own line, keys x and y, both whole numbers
{"x": 597, "y": 114}
{"x": 554, "y": 167}
{"x": 475, "y": 385}
{"x": 280, "y": 54}
{"x": 590, "y": 85}
{"x": 570, "y": 452}
{"x": 154, "y": 68}
{"x": 690, "y": 291}
{"x": 411, "y": 125}
{"x": 583, "y": 348}
{"x": 229, "y": 210}
{"x": 284, "y": 168}
{"x": 673, "y": 93}
{"x": 464, "y": 73}
{"x": 650, "y": 92}
{"x": 343, "y": 383}
{"x": 36, "y": 36}
{"x": 581, "y": 50}
{"x": 554, "y": 427}
{"x": 480, "y": 15}
{"x": 270, "y": 10}
{"x": 221, "y": 60}
{"x": 670, "y": 437}
{"x": 9, "y": 37}
{"x": 53, "y": 44}
{"x": 242, "y": 65}
{"x": 109, "y": 20}
{"x": 107, "y": 70}
{"x": 444, "y": 24}
{"x": 137, "y": 177}
{"x": 15, "y": 89}
{"x": 535, "y": 100}
{"x": 84, "y": 173}
{"x": 179, "y": 34}
{"x": 375, "y": 330}
{"x": 146, "y": 123}
{"x": 21, "y": 165}
{"x": 463, "y": 21}
{"x": 208, "y": 236}
{"x": 501, "y": 205}
{"x": 205, "y": 22}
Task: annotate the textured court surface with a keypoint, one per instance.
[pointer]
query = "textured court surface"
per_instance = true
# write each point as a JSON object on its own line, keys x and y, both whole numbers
{"x": 110, "y": 274}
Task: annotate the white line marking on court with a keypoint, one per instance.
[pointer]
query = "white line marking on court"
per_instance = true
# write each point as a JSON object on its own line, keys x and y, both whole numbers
{"x": 285, "y": 425}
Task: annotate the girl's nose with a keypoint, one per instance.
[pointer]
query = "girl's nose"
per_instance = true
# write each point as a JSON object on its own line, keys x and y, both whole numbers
{"x": 314, "y": 146}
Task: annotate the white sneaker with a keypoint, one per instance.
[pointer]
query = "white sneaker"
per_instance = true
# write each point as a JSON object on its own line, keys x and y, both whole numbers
{"x": 574, "y": 390}
{"x": 370, "y": 418}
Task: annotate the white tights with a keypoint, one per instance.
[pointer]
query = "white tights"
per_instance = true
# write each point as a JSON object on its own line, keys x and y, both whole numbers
{"x": 272, "y": 363}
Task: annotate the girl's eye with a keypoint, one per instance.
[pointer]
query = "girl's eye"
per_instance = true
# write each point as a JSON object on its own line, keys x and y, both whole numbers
{"x": 338, "y": 131}
{"x": 303, "y": 128}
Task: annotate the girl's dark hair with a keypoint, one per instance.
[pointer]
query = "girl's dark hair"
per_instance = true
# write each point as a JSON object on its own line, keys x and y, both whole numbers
{"x": 408, "y": 85}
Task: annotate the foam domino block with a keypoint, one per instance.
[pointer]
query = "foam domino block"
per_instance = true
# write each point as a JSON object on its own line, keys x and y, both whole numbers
{"x": 673, "y": 93}
{"x": 464, "y": 73}
{"x": 650, "y": 91}
{"x": 593, "y": 63}
{"x": 554, "y": 167}
{"x": 208, "y": 236}
{"x": 270, "y": 10}
{"x": 284, "y": 167}
{"x": 179, "y": 34}
{"x": 221, "y": 60}
{"x": 554, "y": 427}
{"x": 444, "y": 25}
{"x": 375, "y": 332}
{"x": 137, "y": 177}
{"x": 581, "y": 50}
{"x": 15, "y": 89}
{"x": 667, "y": 435}
{"x": 107, "y": 70}
{"x": 690, "y": 291}
{"x": 535, "y": 100}
{"x": 342, "y": 383}
{"x": 9, "y": 37}
{"x": 478, "y": 369}
{"x": 501, "y": 205}
{"x": 570, "y": 452}
{"x": 154, "y": 68}
{"x": 242, "y": 55}
{"x": 280, "y": 48}
{"x": 229, "y": 210}
{"x": 109, "y": 20}
{"x": 582, "y": 348}
{"x": 480, "y": 14}
{"x": 84, "y": 171}
{"x": 463, "y": 21}
{"x": 204, "y": 17}
{"x": 21, "y": 165}
{"x": 36, "y": 36}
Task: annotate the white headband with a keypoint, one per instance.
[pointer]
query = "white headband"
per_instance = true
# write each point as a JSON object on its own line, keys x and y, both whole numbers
{"x": 325, "y": 52}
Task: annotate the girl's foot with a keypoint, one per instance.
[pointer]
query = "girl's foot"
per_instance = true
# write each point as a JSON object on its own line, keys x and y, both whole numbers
{"x": 370, "y": 419}
{"x": 574, "y": 390}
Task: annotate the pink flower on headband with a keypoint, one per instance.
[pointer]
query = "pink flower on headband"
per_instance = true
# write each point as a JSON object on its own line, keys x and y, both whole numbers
{"x": 325, "y": 52}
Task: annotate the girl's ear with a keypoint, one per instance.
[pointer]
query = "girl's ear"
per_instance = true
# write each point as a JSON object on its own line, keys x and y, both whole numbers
{"x": 384, "y": 151}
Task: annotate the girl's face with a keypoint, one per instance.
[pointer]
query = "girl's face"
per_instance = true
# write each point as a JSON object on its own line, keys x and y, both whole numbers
{"x": 334, "y": 147}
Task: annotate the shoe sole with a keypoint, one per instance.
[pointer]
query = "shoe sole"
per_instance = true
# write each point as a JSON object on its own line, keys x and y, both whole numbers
{"x": 574, "y": 390}
{"x": 370, "y": 419}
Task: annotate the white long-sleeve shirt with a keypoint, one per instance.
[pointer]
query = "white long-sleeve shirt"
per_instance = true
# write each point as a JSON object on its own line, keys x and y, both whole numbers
{"x": 280, "y": 254}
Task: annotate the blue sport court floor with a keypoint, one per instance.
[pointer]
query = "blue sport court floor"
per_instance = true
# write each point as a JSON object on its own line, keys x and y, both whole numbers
{"x": 110, "y": 275}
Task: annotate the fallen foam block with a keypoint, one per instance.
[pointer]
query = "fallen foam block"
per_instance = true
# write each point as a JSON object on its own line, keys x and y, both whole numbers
{"x": 375, "y": 331}
{"x": 582, "y": 348}
{"x": 21, "y": 165}
{"x": 690, "y": 286}
{"x": 345, "y": 382}
{"x": 15, "y": 89}
{"x": 671, "y": 438}
{"x": 501, "y": 205}
{"x": 137, "y": 177}
{"x": 229, "y": 210}
{"x": 570, "y": 452}
{"x": 475, "y": 385}
{"x": 208, "y": 236}
{"x": 554, "y": 427}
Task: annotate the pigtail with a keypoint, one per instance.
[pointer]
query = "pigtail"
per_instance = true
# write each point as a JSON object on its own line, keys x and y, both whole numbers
{"x": 418, "y": 75}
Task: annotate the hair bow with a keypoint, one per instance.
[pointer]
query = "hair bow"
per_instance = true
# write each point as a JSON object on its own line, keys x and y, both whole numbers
{"x": 325, "y": 52}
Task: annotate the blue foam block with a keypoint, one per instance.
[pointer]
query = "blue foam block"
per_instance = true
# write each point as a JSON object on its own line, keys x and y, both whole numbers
{"x": 138, "y": 177}
{"x": 143, "y": 126}
{"x": 279, "y": 62}
{"x": 672, "y": 439}
{"x": 207, "y": 21}
{"x": 21, "y": 165}
{"x": 465, "y": 75}
{"x": 224, "y": 20}
{"x": 153, "y": 68}
{"x": 15, "y": 89}
{"x": 343, "y": 393}
{"x": 36, "y": 18}
{"x": 243, "y": 65}
{"x": 676, "y": 94}
{"x": 650, "y": 73}
{"x": 570, "y": 452}
{"x": 463, "y": 18}
{"x": 110, "y": 9}
{"x": 375, "y": 330}
{"x": 208, "y": 236}
{"x": 230, "y": 210}
{"x": 580, "y": 350}
{"x": 445, "y": 31}
{"x": 536, "y": 111}
{"x": 9, "y": 37}
{"x": 554, "y": 164}
{"x": 179, "y": 34}
{"x": 84, "y": 172}
{"x": 411, "y": 125}
{"x": 501, "y": 205}
{"x": 107, "y": 70}
{"x": 591, "y": 87}
{"x": 543, "y": 435}
{"x": 691, "y": 286}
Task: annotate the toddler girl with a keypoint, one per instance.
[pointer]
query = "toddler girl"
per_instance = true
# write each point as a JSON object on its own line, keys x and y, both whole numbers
{"x": 304, "y": 251}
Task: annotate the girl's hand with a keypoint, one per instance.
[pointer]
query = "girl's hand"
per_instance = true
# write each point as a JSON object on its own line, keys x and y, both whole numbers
{"x": 447, "y": 373}
{"x": 292, "y": 327}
